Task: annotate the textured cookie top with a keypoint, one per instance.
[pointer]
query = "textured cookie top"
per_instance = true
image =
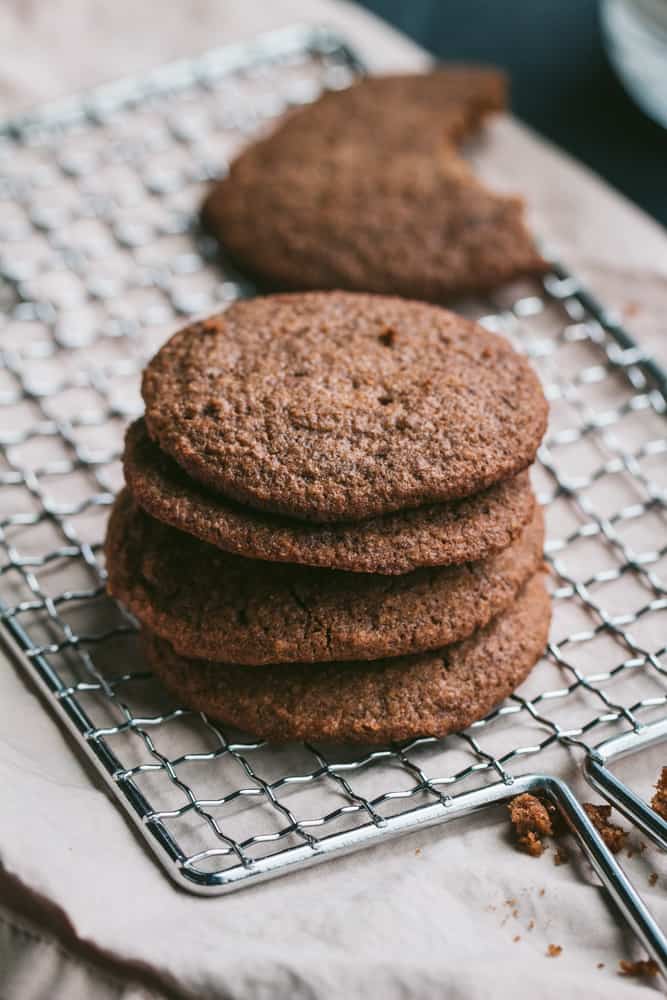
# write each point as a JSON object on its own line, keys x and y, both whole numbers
{"x": 431, "y": 694}
{"x": 365, "y": 190}
{"x": 435, "y": 535}
{"x": 217, "y": 606}
{"x": 340, "y": 406}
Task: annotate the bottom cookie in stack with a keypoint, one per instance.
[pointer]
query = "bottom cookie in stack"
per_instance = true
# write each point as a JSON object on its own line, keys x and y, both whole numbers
{"x": 426, "y": 694}
{"x": 295, "y": 652}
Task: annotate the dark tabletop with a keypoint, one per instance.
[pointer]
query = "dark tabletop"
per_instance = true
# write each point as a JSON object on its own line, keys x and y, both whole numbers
{"x": 562, "y": 83}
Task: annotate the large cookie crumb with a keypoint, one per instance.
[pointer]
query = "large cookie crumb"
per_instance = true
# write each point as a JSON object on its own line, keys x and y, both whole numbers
{"x": 613, "y": 835}
{"x": 659, "y": 800}
{"x": 642, "y": 967}
{"x": 531, "y": 821}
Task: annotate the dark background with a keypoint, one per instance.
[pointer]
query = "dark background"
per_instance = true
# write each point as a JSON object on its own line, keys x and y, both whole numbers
{"x": 562, "y": 83}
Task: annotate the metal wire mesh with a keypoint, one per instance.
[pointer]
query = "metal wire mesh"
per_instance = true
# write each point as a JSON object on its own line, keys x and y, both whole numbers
{"x": 101, "y": 254}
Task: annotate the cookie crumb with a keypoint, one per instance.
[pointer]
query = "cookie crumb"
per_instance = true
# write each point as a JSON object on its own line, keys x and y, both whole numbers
{"x": 659, "y": 800}
{"x": 643, "y": 967}
{"x": 531, "y": 924}
{"x": 561, "y": 857}
{"x": 531, "y": 821}
{"x": 600, "y": 965}
{"x": 653, "y": 878}
{"x": 517, "y": 937}
{"x": 613, "y": 835}
{"x": 418, "y": 851}
{"x": 531, "y": 844}
{"x": 541, "y": 892}
{"x": 554, "y": 950}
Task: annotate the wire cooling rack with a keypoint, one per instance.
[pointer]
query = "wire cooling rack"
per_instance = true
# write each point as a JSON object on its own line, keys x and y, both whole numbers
{"x": 101, "y": 258}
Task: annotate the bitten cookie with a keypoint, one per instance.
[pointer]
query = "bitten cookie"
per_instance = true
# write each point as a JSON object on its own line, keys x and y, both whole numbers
{"x": 338, "y": 406}
{"x": 217, "y": 606}
{"x": 365, "y": 190}
{"x": 436, "y": 535}
{"x": 417, "y": 226}
{"x": 430, "y": 694}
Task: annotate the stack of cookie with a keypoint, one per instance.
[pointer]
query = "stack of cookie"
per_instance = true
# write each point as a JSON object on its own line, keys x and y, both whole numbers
{"x": 328, "y": 530}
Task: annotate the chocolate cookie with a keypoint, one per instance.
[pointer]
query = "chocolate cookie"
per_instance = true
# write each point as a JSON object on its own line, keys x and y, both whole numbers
{"x": 438, "y": 535}
{"x": 417, "y": 226}
{"x": 430, "y": 694}
{"x": 336, "y": 406}
{"x": 217, "y": 606}
{"x": 347, "y": 194}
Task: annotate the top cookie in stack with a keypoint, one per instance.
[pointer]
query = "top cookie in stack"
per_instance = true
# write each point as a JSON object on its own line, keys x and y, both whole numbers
{"x": 366, "y": 190}
{"x": 328, "y": 530}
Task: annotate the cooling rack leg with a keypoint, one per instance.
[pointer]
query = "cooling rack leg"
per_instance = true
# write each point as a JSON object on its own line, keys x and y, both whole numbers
{"x": 619, "y": 887}
{"x": 625, "y": 800}
{"x": 597, "y": 773}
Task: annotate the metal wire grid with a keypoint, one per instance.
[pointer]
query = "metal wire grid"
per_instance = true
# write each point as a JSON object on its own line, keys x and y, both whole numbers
{"x": 100, "y": 255}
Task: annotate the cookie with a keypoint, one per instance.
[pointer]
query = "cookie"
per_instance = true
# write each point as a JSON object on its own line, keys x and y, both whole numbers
{"x": 416, "y": 226}
{"x": 218, "y": 606}
{"x": 339, "y": 406}
{"x": 429, "y": 694}
{"x": 437, "y": 535}
{"x": 345, "y": 195}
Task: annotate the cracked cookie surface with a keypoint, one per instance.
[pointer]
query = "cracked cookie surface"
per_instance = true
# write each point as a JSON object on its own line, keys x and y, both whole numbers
{"x": 218, "y": 606}
{"x": 429, "y": 694}
{"x": 436, "y": 535}
{"x": 339, "y": 406}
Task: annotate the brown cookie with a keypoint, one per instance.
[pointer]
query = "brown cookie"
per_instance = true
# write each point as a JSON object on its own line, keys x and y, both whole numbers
{"x": 217, "y": 606}
{"x": 347, "y": 195}
{"x": 430, "y": 694}
{"x": 422, "y": 227}
{"x": 438, "y": 535}
{"x": 336, "y": 406}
